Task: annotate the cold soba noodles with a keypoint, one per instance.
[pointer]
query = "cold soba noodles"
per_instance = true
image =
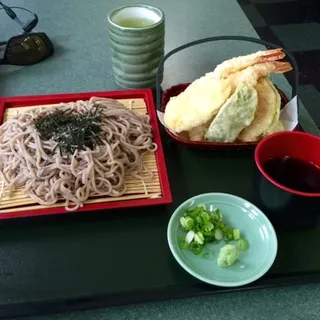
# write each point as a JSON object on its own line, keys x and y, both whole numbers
{"x": 78, "y": 150}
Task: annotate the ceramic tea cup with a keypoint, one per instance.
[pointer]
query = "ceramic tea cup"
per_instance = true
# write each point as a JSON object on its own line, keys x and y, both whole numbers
{"x": 136, "y": 35}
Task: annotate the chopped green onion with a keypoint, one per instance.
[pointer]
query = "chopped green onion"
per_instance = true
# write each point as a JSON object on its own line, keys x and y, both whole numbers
{"x": 190, "y": 235}
{"x": 183, "y": 222}
{"x": 236, "y": 234}
{"x": 242, "y": 244}
{"x": 215, "y": 215}
{"x": 196, "y": 248}
{"x": 218, "y": 234}
{"x": 199, "y": 220}
{"x": 230, "y": 234}
{"x": 209, "y": 226}
{"x": 205, "y": 217}
{"x": 183, "y": 243}
{"x": 210, "y": 238}
{"x": 187, "y": 223}
{"x": 199, "y": 238}
{"x": 203, "y": 226}
{"x": 218, "y": 213}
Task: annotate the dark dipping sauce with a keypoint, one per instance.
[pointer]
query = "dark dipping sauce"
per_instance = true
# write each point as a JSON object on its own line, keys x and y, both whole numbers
{"x": 294, "y": 173}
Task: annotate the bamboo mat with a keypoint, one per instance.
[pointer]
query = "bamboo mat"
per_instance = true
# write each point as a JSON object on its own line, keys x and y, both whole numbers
{"x": 135, "y": 188}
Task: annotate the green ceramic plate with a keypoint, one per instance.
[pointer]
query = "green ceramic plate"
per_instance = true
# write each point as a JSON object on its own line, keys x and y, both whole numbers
{"x": 238, "y": 213}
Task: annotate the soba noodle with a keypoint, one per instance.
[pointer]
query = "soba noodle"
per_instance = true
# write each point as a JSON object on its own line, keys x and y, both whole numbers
{"x": 48, "y": 176}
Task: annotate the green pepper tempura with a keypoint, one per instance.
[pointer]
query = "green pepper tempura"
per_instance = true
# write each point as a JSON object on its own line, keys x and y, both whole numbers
{"x": 204, "y": 226}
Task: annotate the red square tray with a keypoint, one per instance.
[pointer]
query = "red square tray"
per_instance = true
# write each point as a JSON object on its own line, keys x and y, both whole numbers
{"x": 146, "y": 94}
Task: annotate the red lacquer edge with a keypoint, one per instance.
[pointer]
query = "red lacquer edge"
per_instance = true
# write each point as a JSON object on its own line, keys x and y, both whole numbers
{"x": 176, "y": 89}
{"x": 163, "y": 174}
{"x": 146, "y": 94}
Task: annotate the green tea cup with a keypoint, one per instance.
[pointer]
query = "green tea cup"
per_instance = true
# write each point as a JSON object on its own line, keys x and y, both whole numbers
{"x": 137, "y": 44}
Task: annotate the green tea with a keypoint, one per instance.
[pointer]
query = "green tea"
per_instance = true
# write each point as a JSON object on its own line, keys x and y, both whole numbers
{"x": 135, "y": 22}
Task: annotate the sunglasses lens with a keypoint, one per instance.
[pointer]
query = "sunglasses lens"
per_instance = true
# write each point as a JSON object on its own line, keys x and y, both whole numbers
{"x": 27, "y": 49}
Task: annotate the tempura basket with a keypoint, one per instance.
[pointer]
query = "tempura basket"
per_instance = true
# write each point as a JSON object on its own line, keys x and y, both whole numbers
{"x": 162, "y": 99}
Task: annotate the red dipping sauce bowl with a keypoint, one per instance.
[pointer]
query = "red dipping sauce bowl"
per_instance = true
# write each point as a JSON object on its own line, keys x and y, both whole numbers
{"x": 287, "y": 208}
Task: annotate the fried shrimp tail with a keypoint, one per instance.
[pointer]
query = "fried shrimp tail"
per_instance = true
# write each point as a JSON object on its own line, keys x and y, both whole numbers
{"x": 252, "y": 74}
{"x": 236, "y": 64}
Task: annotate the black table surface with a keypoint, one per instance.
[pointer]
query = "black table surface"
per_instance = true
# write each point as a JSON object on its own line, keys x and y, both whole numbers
{"x": 93, "y": 259}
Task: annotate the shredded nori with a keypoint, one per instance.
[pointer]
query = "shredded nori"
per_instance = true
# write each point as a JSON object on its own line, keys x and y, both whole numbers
{"x": 71, "y": 130}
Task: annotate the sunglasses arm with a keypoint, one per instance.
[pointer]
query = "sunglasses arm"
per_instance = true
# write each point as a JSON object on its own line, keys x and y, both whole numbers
{"x": 29, "y": 26}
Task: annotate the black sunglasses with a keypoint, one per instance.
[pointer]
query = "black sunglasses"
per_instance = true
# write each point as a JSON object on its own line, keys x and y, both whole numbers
{"x": 27, "y": 48}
